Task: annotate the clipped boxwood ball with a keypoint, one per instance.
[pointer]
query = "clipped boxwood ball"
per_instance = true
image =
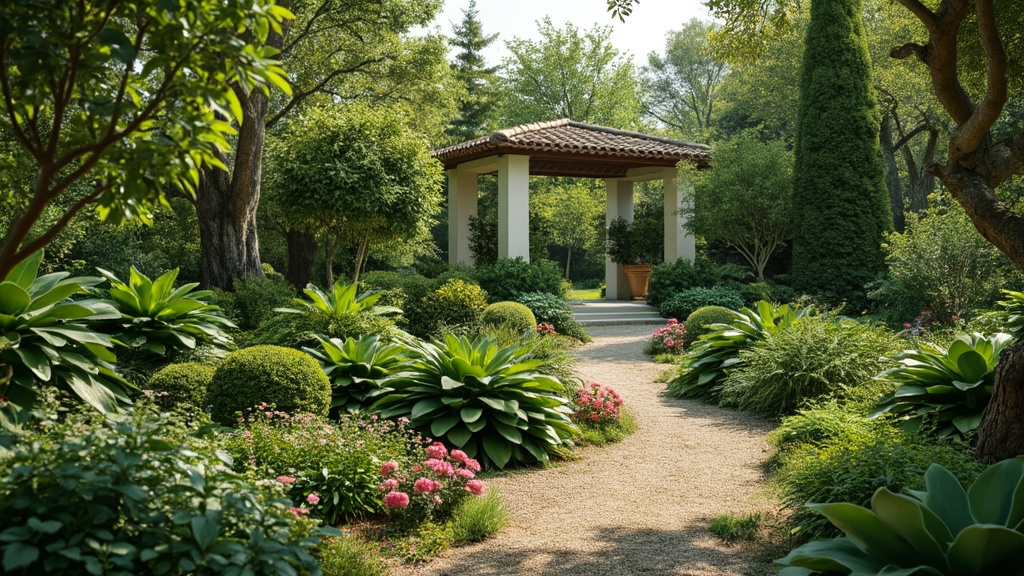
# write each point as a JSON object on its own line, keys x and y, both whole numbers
{"x": 699, "y": 322}
{"x": 514, "y": 315}
{"x": 289, "y": 379}
{"x": 181, "y": 385}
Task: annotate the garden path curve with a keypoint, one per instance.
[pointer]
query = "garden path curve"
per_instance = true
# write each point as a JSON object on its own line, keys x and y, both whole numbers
{"x": 640, "y": 506}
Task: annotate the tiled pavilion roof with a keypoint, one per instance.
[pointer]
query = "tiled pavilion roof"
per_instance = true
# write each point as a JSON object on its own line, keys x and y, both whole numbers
{"x": 567, "y": 148}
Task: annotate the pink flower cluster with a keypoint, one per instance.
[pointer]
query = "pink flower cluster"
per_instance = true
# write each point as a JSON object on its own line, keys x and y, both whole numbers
{"x": 597, "y": 404}
{"x": 312, "y": 498}
{"x": 545, "y": 329}
{"x": 444, "y": 476}
{"x": 669, "y": 338}
{"x": 922, "y": 324}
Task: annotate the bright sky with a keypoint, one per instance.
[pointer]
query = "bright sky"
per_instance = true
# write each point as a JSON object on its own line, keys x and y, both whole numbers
{"x": 643, "y": 31}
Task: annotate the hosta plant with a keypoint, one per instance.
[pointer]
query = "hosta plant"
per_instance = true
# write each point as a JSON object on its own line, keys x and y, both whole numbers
{"x": 340, "y": 300}
{"x": 162, "y": 319}
{"x": 488, "y": 401}
{"x": 1013, "y": 312}
{"x": 942, "y": 530}
{"x": 944, "y": 389}
{"x": 701, "y": 376}
{"x": 48, "y": 339}
{"x": 355, "y": 368}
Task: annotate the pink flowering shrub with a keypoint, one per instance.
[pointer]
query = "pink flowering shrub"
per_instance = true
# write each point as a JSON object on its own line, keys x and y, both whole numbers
{"x": 545, "y": 329}
{"x": 428, "y": 490}
{"x": 335, "y": 463}
{"x": 668, "y": 339}
{"x": 597, "y": 405}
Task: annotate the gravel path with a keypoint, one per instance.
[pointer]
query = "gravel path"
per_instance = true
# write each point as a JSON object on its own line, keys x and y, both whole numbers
{"x": 640, "y": 506}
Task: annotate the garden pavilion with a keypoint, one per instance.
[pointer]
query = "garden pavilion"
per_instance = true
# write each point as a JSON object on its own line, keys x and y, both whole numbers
{"x": 564, "y": 148}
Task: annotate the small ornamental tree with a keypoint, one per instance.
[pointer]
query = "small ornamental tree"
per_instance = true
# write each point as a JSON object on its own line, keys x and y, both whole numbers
{"x": 841, "y": 204}
{"x": 356, "y": 175}
{"x": 745, "y": 200}
{"x": 117, "y": 102}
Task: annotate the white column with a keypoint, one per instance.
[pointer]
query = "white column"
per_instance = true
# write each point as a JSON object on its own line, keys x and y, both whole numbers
{"x": 619, "y": 203}
{"x": 462, "y": 203}
{"x": 514, "y": 206}
{"x": 678, "y": 242}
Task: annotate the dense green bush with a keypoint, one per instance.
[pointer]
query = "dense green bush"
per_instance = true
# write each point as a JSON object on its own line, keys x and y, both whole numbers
{"x": 681, "y": 305}
{"x": 339, "y": 462}
{"x": 509, "y": 277}
{"x": 287, "y": 379}
{"x": 456, "y": 304}
{"x": 489, "y": 401}
{"x": 350, "y": 556}
{"x": 553, "y": 310}
{"x": 671, "y": 278}
{"x": 854, "y": 466}
{"x": 254, "y": 300}
{"x": 815, "y": 358}
{"x": 819, "y": 425}
{"x": 512, "y": 314}
{"x": 138, "y": 493}
{"x": 181, "y": 385}
{"x": 477, "y": 519}
{"x": 699, "y": 322}
{"x": 941, "y": 263}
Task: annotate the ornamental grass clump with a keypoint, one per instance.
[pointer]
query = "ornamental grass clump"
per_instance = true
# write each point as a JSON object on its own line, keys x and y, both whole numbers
{"x": 430, "y": 490}
{"x": 668, "y": 339}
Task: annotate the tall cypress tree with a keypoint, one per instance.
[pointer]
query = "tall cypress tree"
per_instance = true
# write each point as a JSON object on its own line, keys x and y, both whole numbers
{"x": 477, "y": 108}
{"x": 839, "y": 194}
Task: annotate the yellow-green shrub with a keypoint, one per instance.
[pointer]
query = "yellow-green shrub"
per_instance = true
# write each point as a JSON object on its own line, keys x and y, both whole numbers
{"x": 514, "y": 315}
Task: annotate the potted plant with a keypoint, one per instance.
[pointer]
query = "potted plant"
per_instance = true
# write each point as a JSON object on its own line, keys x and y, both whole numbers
{"x": 636, "y": 246}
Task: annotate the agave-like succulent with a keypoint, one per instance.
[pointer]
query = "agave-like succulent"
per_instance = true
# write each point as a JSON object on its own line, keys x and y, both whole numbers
{"x": 356, "y": 367}
{"x": 46, "y": 338}
{"x": 946, "y": 388}
{"x": 942, "y": 530}
{"x": 489, "y": 401}
{"x": 156, "y": 317}
{"x": 342, "y": 299}
{"x": 702, "y": 375}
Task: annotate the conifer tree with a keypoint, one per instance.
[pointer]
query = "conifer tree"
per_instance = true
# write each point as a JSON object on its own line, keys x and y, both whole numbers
{"x": 477, "y": 107}
{"x": 839, "y": 193}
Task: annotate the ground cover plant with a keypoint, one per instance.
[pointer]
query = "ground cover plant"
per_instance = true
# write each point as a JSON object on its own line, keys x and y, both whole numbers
{"x": 175, "y": 507}
{"x": 335, "y": 461}
{"x": 486, "y": 400}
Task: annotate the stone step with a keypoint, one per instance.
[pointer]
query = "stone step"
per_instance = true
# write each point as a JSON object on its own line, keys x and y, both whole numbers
{"x": 612, "y": 313}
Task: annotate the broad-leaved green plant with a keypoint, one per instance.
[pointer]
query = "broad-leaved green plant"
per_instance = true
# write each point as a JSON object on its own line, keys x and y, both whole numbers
{"x": 355, "y": 368}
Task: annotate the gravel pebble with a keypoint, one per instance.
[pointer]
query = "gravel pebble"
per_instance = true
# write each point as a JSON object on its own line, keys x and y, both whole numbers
{"x": 640, "y": 506}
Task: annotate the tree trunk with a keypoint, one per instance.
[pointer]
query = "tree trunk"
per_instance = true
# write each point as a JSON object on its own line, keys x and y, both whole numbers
{"x": 301, "y": 257}
{"x": 226, "y": 205}
{"x": 330, "y": 248}
{"x": 1001, "y": 434}
{"x": 568, "y": 261}
{"x": 892, "y": 175}
{"x": 922, "y": 179}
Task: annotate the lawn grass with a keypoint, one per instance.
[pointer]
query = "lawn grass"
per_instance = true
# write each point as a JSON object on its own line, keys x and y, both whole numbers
{"x": 591, "y": 294}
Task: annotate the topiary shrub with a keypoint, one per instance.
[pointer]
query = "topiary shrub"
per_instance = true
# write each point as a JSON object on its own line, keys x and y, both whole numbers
{"x": 553, "y": 310}
{"x": 509, "y": 277}
{"x": 672, "y": 278}
{"x": 686, "y": 302}
{"x": 182, "y": 384}
{"x": 456, "y": 304}
{"x": 514, "y": 315}
{"x": 699, "y": 322}
{"x": 815, "y": 358}
{"x": 288, "y": 379}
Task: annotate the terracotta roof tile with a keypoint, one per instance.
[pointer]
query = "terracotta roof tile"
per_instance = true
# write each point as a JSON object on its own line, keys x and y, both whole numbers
{"x": 564, "y": 139}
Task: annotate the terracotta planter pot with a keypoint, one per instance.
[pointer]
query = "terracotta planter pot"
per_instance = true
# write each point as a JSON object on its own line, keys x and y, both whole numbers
{"x": 638, "y": 276}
